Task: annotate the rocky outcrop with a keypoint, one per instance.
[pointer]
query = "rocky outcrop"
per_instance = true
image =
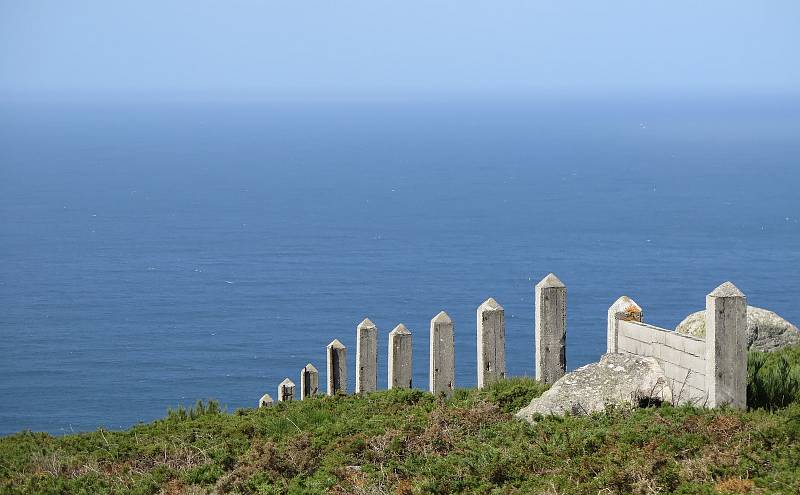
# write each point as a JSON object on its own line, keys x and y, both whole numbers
{"x": 766, "y": 331}
{"x": 618, "y": 379}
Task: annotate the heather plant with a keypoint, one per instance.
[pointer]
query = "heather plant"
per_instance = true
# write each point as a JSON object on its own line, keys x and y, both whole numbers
{"x": 410, "y": 441}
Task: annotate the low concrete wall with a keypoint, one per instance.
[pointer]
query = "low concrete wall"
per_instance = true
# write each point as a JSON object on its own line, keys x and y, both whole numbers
{"x": 681, "y": 357}
{"x": 708, "y": 372}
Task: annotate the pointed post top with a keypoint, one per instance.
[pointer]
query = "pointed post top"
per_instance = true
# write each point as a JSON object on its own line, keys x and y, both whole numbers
{"x": 626, "y": 308}
{"x": 726, "y": 290}
{"x": 490, "y": 305}
{"x": 624, "y": 302}
{"x": 367, "y": 323}
{"x": 310, "y": 367}
{"x": 336, "y": 345}
{"x": 442, "y": 317}
{"x": 400, "y": 330}
{"x": 266, "y": 398}
{"x": 550, "y": 281}
{"x": 286, "y": 383}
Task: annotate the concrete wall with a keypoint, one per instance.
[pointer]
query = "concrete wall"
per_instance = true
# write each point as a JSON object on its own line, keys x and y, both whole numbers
{"x": 708, "y": 372}
{"x": 681, "y": 357}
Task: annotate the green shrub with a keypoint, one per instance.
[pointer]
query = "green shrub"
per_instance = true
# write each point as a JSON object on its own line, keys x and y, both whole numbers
{"x": 199, "y": 409}
{"x": 409, "y": 441}
{"x": 511, "y": 394}
{"x": 773, "y": 378}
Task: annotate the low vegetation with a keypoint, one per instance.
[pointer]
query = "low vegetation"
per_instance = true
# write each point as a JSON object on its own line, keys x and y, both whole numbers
{"x": 773, "y": 379}
{"x": 408, "y": 441}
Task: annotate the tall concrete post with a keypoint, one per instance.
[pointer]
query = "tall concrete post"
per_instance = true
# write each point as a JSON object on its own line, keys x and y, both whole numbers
{"x": 726, "y": 347}
{"x": 366, "y": 357}
{"x": 442, "y": 363}
{"x": 337, "y": 368}
{"x": 551, "y": 329}
{"x": 309, "y": 381}
{"x": 286, "y": 390}
{"x": 624, "y": 309}
{"x": 265, "y": 401}
{"x": 491, "y": 343}
{"x": 400, "y": 357}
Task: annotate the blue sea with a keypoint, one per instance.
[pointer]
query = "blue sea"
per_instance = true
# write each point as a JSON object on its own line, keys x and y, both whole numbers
{"x": 153, "y": 253}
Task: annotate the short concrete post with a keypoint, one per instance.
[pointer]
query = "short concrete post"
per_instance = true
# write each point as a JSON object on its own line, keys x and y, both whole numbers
{"x": 399, "y": 357}
{"x": 624, "y": 309}
{"x": 265, "y": 401}
{"x": 726, "y": 347}
{"x": 366, "y": 357}
{"x": 286, "y": 390}
{"x": 491, "y": 343}
{"x": 309, "y": 381}
{"x": 551, "y": 329}
{"x": 337, "y": 368}
{"x": 442, "y": 363}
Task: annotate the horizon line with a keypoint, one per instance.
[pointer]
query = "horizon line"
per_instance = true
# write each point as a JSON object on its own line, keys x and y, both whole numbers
{"x": 306, "y": 95}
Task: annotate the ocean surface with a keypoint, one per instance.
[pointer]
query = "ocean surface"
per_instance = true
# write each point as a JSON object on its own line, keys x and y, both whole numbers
{"x": 153, "y": 254}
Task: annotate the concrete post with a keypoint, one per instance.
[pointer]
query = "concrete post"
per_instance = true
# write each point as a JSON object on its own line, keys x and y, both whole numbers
{"x": 624, "y": 309}
{"x": 265, "y": 401}
{"x": 726, "y": 347}
{"x": 309, "y": 381}
{"x": 400, "y": 357}
{"x": 551, "y": 329}
{"x": 337, "y": 368}
{"x": 442, "y": 362}
{"x": 286, "y": 390}
{"x": 491, "y": 343}
{"x": 366, "y": 357}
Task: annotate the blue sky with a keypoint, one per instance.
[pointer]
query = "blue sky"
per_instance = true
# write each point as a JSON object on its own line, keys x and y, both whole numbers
{"x": 385, "y": 47}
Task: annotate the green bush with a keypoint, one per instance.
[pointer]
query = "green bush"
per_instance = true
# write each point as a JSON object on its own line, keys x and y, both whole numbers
{"x": 409, "y": 441}
{"x": 773, "y": 378}
{"x": 511, "y": 394}
{"x": 199, "y": 409}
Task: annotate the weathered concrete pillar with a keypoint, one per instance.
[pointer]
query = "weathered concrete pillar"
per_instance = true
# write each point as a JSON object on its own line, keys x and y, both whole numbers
{"x": 624, "y": 309}
{"x": 265, "y": 401}
{"x": 442, "y": 366}
{"x": 491, "y": 343}
{"x": 286, "y": 390}
{"x": 337, "y": 368}
{"x": 726, "y": 347}
{"x": 400, "y": 357}
{"x": 309, "y": 381}
{"x": 551, "y": 329}
{"x": 366, "y": 357}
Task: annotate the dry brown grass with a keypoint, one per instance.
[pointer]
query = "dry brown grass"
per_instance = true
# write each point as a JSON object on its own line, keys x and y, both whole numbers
{"x": 735, "y": 485}
{"x": 726, "y": 432}
{"x": 298, "y": 457}
{"x": 174, "y": 453}
{"x": 177, "y": 487}
{"x": 447, "y": 426}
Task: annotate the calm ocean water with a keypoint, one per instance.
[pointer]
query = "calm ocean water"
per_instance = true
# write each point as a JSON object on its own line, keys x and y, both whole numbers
{"x": 155, "y": 254}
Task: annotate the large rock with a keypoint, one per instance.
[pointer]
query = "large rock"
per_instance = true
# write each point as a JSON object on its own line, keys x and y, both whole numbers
{"x": 766, "y": 331}
{"x": 618, "y": 379}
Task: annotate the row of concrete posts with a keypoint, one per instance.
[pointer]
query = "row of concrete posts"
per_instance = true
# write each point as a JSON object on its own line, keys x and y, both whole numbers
{"x": 712, "y": 371}
{"x": 550, "y": 328}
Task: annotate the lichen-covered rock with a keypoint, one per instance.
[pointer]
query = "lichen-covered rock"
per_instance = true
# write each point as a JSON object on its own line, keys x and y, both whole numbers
{"x": 766, "y": 331}
{"x": 618, "y": 379}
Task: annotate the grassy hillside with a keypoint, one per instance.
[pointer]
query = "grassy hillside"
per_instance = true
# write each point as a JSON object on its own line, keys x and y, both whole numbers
{"x": 411, "y": 442}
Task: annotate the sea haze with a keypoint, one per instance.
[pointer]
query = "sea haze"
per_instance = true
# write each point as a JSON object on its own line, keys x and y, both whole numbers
{"x": 155, "y": 254}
